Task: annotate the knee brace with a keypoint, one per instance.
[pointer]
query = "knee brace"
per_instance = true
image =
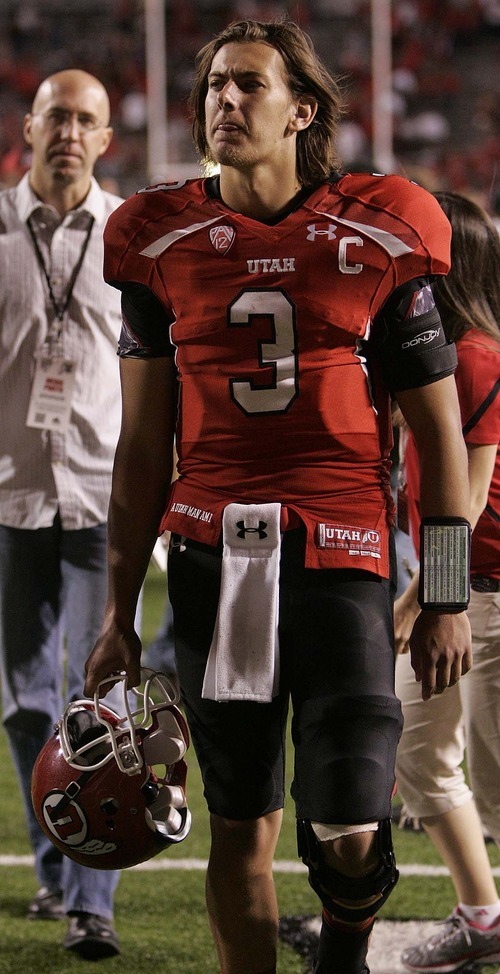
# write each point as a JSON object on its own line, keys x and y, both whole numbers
{"x": 352, "y": 899}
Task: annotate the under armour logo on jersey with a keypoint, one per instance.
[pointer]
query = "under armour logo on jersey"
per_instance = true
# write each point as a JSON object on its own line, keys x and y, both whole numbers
{"x": 260, "y": 530}
{"x": 222, "y": 238}
{"x": 326, "y": 229}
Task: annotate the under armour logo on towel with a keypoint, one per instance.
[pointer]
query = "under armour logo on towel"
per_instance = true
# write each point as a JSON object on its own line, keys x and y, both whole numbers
{"x": 243, "y": 660}
{"x": 244, "y": 530}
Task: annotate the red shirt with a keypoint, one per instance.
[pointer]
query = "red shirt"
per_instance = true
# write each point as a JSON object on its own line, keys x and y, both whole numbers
{"x": 268, "y": 323}
{"x": 477, "y": 375}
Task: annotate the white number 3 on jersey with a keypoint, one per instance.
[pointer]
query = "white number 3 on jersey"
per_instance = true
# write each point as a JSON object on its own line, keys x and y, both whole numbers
{"x": 280, "y": 354}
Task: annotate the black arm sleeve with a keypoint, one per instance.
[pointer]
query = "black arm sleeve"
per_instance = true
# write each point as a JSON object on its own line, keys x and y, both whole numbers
{"x": 146, "y": 324}
{"x": 410, "y": 339}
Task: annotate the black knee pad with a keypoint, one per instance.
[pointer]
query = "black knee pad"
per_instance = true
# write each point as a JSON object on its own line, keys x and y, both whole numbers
{"x": 350, "y": 899}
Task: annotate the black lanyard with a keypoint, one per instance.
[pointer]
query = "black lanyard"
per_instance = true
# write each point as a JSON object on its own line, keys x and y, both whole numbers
{"x": 61, "y": 306}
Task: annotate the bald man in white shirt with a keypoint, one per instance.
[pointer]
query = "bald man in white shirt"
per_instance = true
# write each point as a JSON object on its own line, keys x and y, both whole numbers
{"x": 60, "y": 409}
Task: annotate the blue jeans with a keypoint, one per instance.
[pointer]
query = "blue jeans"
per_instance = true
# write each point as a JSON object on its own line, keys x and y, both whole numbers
{"x": 52, "y": 595}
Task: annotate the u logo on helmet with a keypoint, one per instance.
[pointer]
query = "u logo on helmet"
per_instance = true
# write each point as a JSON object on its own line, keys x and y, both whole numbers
{"x": 70, "y": 826}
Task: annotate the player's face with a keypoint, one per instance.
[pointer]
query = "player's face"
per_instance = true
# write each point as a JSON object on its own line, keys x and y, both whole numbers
{"x": 249, "y": 106}
{"x": 68, "y": 129}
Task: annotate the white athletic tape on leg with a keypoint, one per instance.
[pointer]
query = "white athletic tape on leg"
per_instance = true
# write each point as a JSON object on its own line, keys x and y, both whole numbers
{"x": 327, "y": 833}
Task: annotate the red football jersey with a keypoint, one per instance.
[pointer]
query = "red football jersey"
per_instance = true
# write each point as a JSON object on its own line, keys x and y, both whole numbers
{"x": 477, "y": 378}
{"x": 277, "y": 402}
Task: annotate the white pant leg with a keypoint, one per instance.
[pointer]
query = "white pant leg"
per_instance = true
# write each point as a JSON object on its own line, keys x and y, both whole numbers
{"x": 480, "y": 694}
{"x": 429, "y": 775}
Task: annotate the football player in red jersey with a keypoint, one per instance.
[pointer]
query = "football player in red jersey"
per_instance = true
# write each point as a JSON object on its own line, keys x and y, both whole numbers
{"x": 269, "y": 314}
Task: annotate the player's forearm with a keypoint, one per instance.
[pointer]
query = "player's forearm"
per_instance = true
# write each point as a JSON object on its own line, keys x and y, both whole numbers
{"x": 136, "y": 508}
{"x": 433, "y": 416}
{"x": 444, "y": 484}
{"x": 142, "y": 475}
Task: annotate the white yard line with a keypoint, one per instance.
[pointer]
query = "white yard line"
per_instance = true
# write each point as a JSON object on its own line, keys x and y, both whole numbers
{"x": 280, "y": 866}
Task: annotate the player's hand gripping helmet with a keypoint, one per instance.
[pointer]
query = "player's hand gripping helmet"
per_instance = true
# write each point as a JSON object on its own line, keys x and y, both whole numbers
{"x": 97, "y": 790}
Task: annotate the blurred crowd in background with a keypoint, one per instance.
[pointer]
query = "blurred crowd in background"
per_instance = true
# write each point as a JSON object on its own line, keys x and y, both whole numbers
{"x": 445, "y": 98}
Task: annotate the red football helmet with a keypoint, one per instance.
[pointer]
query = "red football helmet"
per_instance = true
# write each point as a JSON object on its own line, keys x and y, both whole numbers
{"x": 97, "y": 790}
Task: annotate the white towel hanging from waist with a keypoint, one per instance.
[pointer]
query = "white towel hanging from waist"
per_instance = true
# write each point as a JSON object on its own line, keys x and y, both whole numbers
{"x": 243, "y": 662}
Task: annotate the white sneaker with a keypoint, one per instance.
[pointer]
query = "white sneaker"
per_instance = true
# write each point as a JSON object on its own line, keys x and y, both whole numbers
{"x": 457, "y": 944}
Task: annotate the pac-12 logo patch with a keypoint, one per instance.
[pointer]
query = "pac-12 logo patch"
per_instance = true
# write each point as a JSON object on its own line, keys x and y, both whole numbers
{"x": 222, "y": 238}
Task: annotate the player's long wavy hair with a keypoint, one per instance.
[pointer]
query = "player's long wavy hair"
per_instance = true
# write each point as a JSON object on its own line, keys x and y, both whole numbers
{"x": 469, "y": 296}
{"x": 316, "y": 145}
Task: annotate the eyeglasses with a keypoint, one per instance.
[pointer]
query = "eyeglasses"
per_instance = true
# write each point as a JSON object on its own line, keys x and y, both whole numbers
{"x": 59, "y": 118}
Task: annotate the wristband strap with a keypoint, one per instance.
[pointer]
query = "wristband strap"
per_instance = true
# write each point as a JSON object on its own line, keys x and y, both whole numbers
{"x": 444, "y": 564}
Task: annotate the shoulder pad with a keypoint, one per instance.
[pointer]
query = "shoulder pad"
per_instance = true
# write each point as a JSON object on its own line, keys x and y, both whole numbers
{"x": 408, "y": 211}
{"x": 140, "y": 219}
{"x": 397, "y": 195}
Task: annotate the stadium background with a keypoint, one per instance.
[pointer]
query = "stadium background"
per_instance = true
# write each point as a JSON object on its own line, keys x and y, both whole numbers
{"x": 440, "y": 100}
{"x": 442, "y": 108}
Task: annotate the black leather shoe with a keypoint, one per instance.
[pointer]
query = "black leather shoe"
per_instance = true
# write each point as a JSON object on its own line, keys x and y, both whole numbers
{"x": 47, "y": 905}
{"x": 91, "y": 936}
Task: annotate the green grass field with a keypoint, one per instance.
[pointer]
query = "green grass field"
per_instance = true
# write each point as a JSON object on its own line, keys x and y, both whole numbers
{"x": 160, "y": 915}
